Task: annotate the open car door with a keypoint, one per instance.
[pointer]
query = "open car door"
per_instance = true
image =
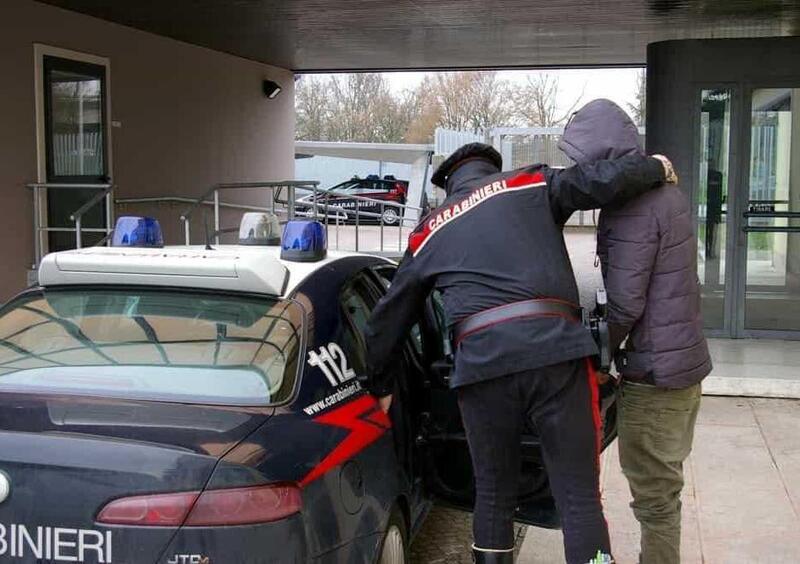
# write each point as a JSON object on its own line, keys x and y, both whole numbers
{"x": 449, "y": 472}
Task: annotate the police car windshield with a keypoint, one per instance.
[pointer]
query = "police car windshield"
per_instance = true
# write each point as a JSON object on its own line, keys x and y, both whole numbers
{"x": 151, "y": 345}
{"x": 348, "y": 186}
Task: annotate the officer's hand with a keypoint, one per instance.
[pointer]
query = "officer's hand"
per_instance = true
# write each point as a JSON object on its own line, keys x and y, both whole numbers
{"x": 602, "y": 377}
{"x": 385, "y": 402}
{"x": 669, "y": 171}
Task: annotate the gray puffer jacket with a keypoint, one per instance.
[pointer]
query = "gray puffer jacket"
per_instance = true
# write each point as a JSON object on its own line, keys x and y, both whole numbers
{"x": 648, "y": 253}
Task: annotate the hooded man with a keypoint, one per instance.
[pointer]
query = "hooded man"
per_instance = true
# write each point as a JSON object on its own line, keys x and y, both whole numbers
{"x": 648, "y": 253}
{"x": 495, "y": 251}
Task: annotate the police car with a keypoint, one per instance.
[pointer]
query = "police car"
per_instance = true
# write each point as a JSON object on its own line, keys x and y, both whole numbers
{"x": 203, "y": 405}
{"x": 364, "y": 197}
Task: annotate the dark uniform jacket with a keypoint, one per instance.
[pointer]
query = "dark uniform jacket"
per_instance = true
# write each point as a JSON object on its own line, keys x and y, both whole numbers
{"x": 648, "y": 253}
{"x": 497, "y": 239}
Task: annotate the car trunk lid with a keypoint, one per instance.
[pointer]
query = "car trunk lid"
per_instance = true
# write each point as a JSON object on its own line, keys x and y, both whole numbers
{"x": 65, "y": 458}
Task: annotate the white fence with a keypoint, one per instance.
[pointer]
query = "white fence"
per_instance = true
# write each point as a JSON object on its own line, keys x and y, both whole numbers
{"x": 446, "y": 141}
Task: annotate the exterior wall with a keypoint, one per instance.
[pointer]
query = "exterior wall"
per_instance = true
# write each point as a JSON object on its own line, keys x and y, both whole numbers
{"x": 190, "y": 117}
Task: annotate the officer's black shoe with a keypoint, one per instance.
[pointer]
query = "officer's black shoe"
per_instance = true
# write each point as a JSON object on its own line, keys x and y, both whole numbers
{"x": 489, "y": 556}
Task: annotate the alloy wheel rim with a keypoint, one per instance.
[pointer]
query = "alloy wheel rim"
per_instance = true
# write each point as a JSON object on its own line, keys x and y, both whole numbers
{"x": 393, "y": 550}
{"x": 390, "y": 216}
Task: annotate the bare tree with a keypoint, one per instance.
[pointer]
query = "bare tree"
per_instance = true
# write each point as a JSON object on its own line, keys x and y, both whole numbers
{"x": 425, "y": 112}
{"x": 312, "y": 108}
{"x": 536, "y": 103}
{"x": 639, "y": 107}
{"x": 361, "y": 107}
{"x": 472, "y": 101}
{"x": 421, "y": 112}
{"x": 352, "y": 107}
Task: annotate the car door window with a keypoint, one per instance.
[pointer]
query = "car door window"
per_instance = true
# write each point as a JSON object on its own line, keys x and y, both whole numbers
{"x": 385, "y": 274}
{"x": 357, "y": 304}
{"x": 382, "y": 186}
{"x": 348, "y": 186}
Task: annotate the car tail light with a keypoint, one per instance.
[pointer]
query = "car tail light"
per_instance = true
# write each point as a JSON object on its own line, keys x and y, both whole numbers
{"x": 236, "y": 506}
{"x": 164, "y": 510}
{"x": 243, "y": 506}
{"x": 400, "y": 187}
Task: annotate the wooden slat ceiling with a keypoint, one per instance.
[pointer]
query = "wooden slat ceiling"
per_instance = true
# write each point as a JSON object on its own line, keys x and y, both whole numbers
{"x": 316, "y": 35}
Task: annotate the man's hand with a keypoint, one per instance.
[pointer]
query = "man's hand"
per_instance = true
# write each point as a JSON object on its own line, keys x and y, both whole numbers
{"x": 385, "y": 402}
{"x": 669, "y": 171}
{"x": 602, "y": 377}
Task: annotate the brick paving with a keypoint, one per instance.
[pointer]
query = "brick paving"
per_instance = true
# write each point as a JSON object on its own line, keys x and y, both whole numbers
{"x": 446, "y": 538}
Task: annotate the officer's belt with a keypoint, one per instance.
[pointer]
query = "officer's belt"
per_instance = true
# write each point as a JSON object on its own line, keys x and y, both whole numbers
{"x": 542, "y": 307}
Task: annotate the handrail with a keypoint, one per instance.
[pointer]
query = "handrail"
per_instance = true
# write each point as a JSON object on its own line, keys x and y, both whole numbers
{"x": 106, "y": 192}
{"x": 77, "y": 214}
{"x": 767, "y": 229}
{"x": 774, "y": 215}
{"x": 326, "y": 205}
{"x": 63, "y": 186}
{"x": 215, "y": 190}
{"x": 187, "y": 200}
{"x": 244, "y": 185}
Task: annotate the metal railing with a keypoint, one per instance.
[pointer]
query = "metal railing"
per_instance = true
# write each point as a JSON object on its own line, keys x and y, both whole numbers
{"x": 214, "y": 192}
{"x": 333, "y": 208}
{"x": 105, "y": 192}
{"x": 322, "y": 204}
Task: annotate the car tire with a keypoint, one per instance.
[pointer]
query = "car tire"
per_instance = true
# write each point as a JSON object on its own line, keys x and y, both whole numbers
{"x": 390, "y": 216}
{"x": 394, "y": 546}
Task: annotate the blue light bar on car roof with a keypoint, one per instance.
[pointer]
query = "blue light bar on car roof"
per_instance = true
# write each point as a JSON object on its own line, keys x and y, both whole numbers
{"x": 304, "y": 241}
{"x": 132, "y": 231}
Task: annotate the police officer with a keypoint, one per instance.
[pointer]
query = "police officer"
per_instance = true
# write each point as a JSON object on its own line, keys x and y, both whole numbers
{"x": 495, "y": 251}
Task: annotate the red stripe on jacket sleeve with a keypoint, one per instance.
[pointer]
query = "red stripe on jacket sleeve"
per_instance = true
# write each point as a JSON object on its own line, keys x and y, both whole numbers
{"x": 525, "y": 178}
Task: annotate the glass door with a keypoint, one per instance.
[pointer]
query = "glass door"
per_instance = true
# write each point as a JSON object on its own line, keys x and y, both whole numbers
{"x": 711, "y": 199}
{"x": 771, "y": 219}
{"x": 75, "y": 144}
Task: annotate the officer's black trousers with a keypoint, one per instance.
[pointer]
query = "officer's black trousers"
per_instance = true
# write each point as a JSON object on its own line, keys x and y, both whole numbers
{"x": 559, "y": 401}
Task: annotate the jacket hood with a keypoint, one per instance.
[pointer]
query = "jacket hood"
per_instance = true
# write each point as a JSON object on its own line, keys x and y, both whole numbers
{"x": 600, "y": 130}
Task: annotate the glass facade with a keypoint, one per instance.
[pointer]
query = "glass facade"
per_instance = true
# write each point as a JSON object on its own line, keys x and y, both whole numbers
{"x": 772, "y": 292}
{"x": 712, "y": 202}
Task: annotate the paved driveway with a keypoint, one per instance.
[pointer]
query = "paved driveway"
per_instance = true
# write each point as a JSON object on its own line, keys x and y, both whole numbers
{"x": 742, "y": 497}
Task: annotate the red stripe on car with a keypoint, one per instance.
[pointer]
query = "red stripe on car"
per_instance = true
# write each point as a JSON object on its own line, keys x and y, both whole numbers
{"x": 366, "y": 422}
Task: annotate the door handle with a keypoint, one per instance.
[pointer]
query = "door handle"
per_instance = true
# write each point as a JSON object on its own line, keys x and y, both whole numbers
{"x": 777, "y": 214}
{"x": 763, "y": 229}
{"x": 770, "y": 228}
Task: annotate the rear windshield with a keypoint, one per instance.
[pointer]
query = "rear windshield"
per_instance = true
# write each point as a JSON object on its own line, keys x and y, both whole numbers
{"x": 152, "y": 345}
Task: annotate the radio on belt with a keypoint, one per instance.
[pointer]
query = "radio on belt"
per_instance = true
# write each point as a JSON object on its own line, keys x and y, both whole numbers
{"x": 597, "y": 322}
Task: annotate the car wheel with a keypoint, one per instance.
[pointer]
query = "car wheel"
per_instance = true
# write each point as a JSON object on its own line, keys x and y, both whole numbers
{"x": 394, "y": 549}
{"x": 390, "y": 216}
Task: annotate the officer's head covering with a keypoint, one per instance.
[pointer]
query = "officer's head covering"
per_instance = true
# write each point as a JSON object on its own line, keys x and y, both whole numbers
{"x": 600, "y": 130}
{"x": 469, "y": 152}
